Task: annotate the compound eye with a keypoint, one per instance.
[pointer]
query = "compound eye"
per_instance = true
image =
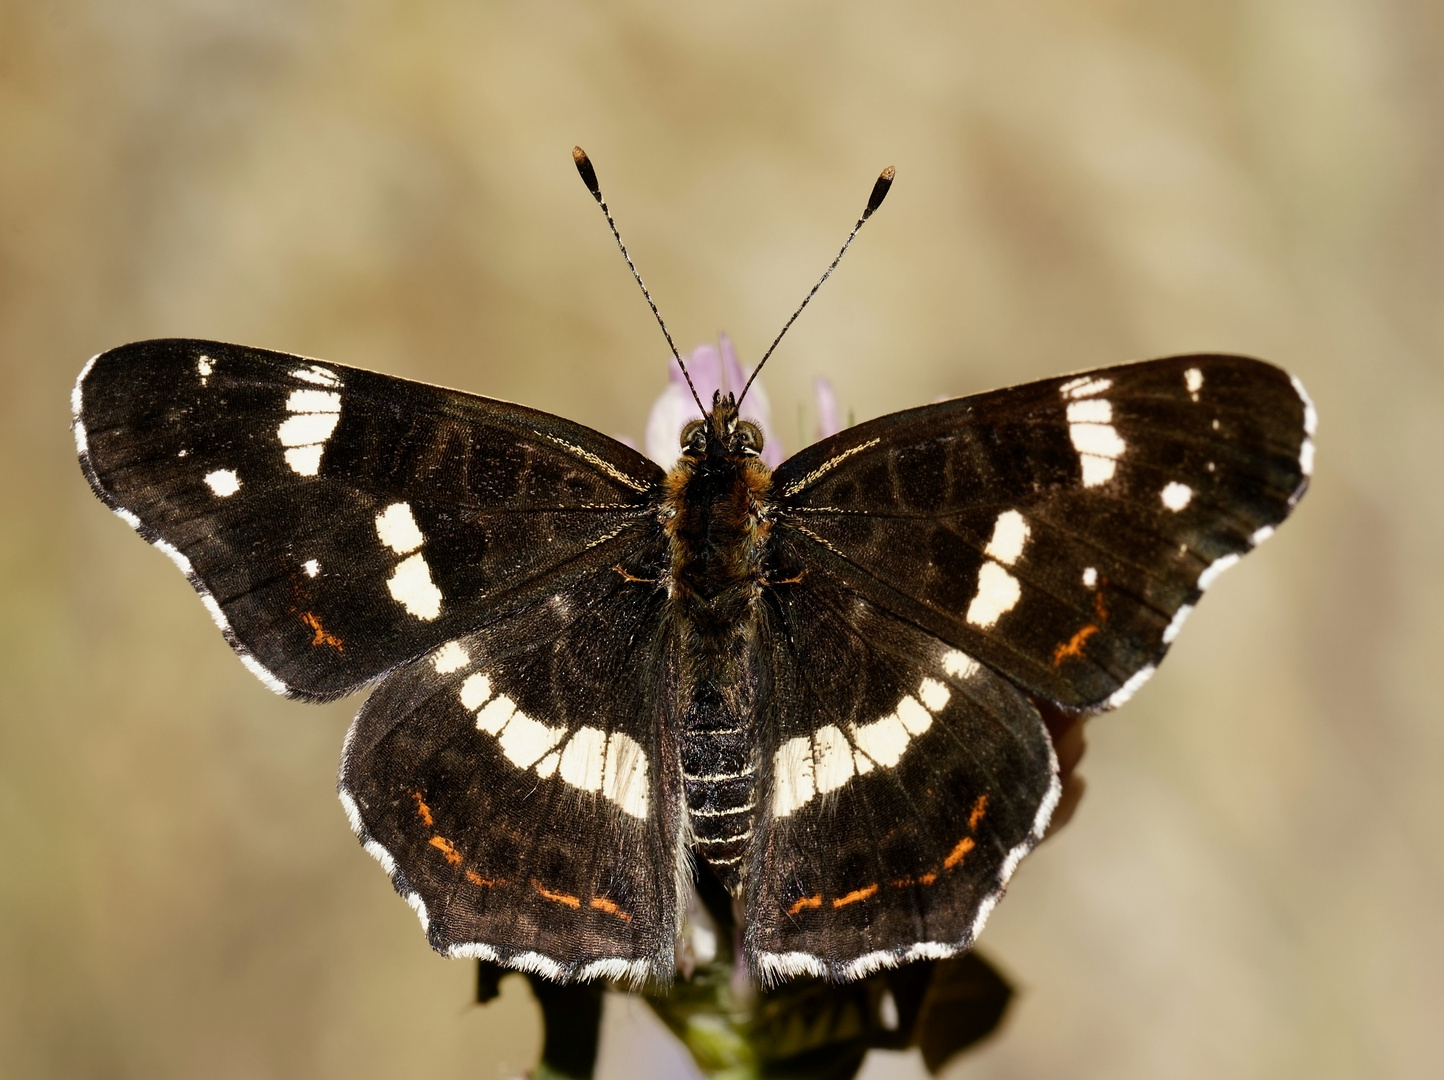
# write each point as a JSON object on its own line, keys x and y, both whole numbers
{"x": 749, "y": 437}
{"x": 693, "y": 434}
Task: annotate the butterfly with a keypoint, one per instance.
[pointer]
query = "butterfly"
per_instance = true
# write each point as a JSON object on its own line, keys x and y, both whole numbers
{"x": 594, "y": 677}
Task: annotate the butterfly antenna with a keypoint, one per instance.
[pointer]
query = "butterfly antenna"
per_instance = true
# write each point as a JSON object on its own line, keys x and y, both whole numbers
{"x": 589, "y": 177}
{"x": 879, "y": 193}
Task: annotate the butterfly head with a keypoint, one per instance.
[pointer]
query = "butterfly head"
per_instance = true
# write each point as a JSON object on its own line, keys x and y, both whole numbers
{"x": 721, "y": 432}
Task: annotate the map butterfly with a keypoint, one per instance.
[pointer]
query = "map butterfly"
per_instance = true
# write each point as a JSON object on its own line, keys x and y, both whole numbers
{"x": 595, "y": 677}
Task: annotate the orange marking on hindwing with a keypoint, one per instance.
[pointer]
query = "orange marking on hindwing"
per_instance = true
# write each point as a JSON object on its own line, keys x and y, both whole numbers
{"x": 486, "y": 883}
{"x": 955, "y": 856}
{"x": 979, "y": 809}
{"x": 927, "y": 879}
{"x": 856, "y": 895}
{"x": 601, "y": 903}
{"x": 422, "y": 810}
{"x": 1098, "y": 604}
{"x": 806, "y": 902}
{"x": 322, "y": 636}
{"x": 559, "y": 897}
{"x": 1074, "y": 645}
{"x": 445, "y": 846}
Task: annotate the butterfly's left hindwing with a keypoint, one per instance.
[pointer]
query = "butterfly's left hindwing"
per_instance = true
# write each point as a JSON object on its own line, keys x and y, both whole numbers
{"x": 902, "y": 782}
{"x": 337, "y": 522}
{"x": 519, "y": 788}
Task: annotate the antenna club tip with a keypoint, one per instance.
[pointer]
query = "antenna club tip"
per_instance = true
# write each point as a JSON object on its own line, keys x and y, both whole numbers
{"x": 588, "y": 174}
{"x": 879, "y": 191}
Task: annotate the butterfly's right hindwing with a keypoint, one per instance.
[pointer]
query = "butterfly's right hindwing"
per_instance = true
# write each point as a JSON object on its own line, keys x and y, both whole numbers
{"x": 519, "y": 786}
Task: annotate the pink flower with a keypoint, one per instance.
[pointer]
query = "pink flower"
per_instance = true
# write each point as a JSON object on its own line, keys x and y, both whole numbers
{"x": 713, "y": 368}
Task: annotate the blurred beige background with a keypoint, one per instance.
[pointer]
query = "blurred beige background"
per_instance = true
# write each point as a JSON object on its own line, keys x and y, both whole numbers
{"x": 1253, "y": 885}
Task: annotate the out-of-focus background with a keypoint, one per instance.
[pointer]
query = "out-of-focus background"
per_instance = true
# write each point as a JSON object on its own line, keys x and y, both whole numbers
{"x": 1254, "y": 886}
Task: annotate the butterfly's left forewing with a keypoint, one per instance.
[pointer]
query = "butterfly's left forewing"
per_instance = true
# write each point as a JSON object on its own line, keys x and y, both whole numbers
{"x": 1060, "y": 531}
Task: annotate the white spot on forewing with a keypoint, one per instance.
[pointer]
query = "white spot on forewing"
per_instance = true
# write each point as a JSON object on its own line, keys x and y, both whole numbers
{"x": 1176, "y": 496}
{"x": 313, "y": 401}
{"x": 1193, "y": 380}
{"x": 959, "y": 665}
{"x": 1306, "y": 457}
{"x": 224, "y": 482}
{"x": 412, "y": 588}
{"x": 312, "y": 567}
{"x": 1092, "y": 411}
{"x": 1096, "y": 470}
{"x": 525, "y": 741}
{"x": 204, "y": 367}
{"x": 320, "y": 376}
{"x": 1261, "y": 534}
{"x": 307, "y": 429}
{"x": 398, "y": 530}
{"x": 1084, "y": 386}
{"x": 304, "y": 460}
{"x": 998, "y": 592}
{"x": 1128, "y": 689}
{"x": 1010, "y": 536}
{"x": 1090, "y": 577}
{"x": 792, "y": 781}
{"x": 1176, "y": 623}
{"x": 1097, "y": 439}
{"x": 583, "y": 757}
{"x": 1209, "y": 576}
{"x": 832, "y": 758}
{"x": 451, "y": 657}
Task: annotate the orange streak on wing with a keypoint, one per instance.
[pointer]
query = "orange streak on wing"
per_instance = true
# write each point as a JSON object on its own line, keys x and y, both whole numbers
{"x": 322, "y": 637}
{"x": 927, "y": 879}
{"x": 856, "y": 895}
{"x": 1074, "y": 645}
{"x": 979, "y": 809}
{"x": 806, "y": 902}
{"x": 559, "y": 897}
{"x": 601, "y": 903}
{"x": 476, "y": 879}
{"x": 422, "y": 809}
{"x": 443, "y": 845}
{"x": 965, "y": 845}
